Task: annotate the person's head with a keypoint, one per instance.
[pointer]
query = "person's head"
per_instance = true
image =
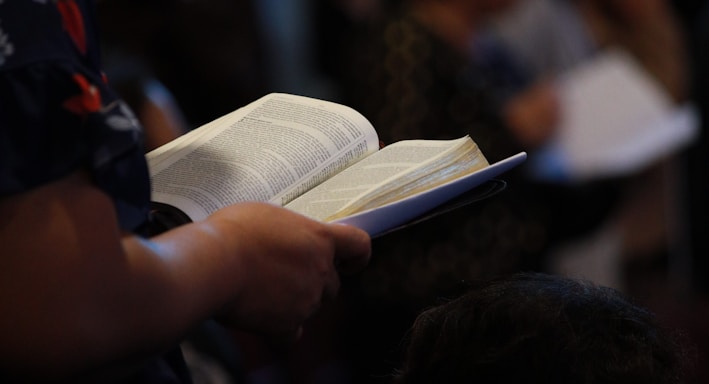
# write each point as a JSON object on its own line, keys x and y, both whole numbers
{"x": 538, "y": 328}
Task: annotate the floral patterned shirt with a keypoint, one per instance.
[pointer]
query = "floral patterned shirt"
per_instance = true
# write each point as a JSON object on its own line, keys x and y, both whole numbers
{"x": 57, "y": 113}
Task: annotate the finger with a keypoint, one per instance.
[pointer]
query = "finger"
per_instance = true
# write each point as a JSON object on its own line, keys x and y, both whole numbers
{"x": 353, "y": 248}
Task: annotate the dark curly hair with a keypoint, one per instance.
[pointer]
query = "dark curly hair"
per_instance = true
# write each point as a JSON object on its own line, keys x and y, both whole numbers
{"x": 539, "y": 328}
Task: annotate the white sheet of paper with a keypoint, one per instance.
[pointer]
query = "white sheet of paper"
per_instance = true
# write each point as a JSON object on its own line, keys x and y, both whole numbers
{"x": 616, "y": 119}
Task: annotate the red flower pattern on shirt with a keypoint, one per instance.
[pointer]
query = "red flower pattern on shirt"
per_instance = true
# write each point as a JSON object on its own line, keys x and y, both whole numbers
{"x": 89, "y": 100}
{"x": 73, "y": 22}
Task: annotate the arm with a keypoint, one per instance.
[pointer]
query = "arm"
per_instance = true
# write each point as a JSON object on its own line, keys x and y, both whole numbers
{"x": 77, "y": 295}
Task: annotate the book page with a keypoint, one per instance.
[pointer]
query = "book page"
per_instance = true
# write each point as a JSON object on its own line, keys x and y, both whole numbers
{"x": 395, "y": 171}
{"x": 272, "y": 150}
{"x": 414, "y": 208}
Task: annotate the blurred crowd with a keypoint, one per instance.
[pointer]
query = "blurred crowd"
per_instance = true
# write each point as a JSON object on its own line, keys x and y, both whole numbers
{"x": 440, "y": 69}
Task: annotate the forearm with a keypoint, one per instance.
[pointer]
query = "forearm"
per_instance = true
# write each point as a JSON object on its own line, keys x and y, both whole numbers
{"x": 76, "y": 296}
{"x": 184, "y": 275}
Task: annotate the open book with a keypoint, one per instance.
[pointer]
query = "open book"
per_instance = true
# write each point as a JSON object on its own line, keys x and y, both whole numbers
{"x": 318, "y": 158}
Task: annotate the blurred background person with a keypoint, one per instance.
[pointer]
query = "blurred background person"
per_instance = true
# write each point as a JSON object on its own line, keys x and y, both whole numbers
{"x": 555, "y": 37}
